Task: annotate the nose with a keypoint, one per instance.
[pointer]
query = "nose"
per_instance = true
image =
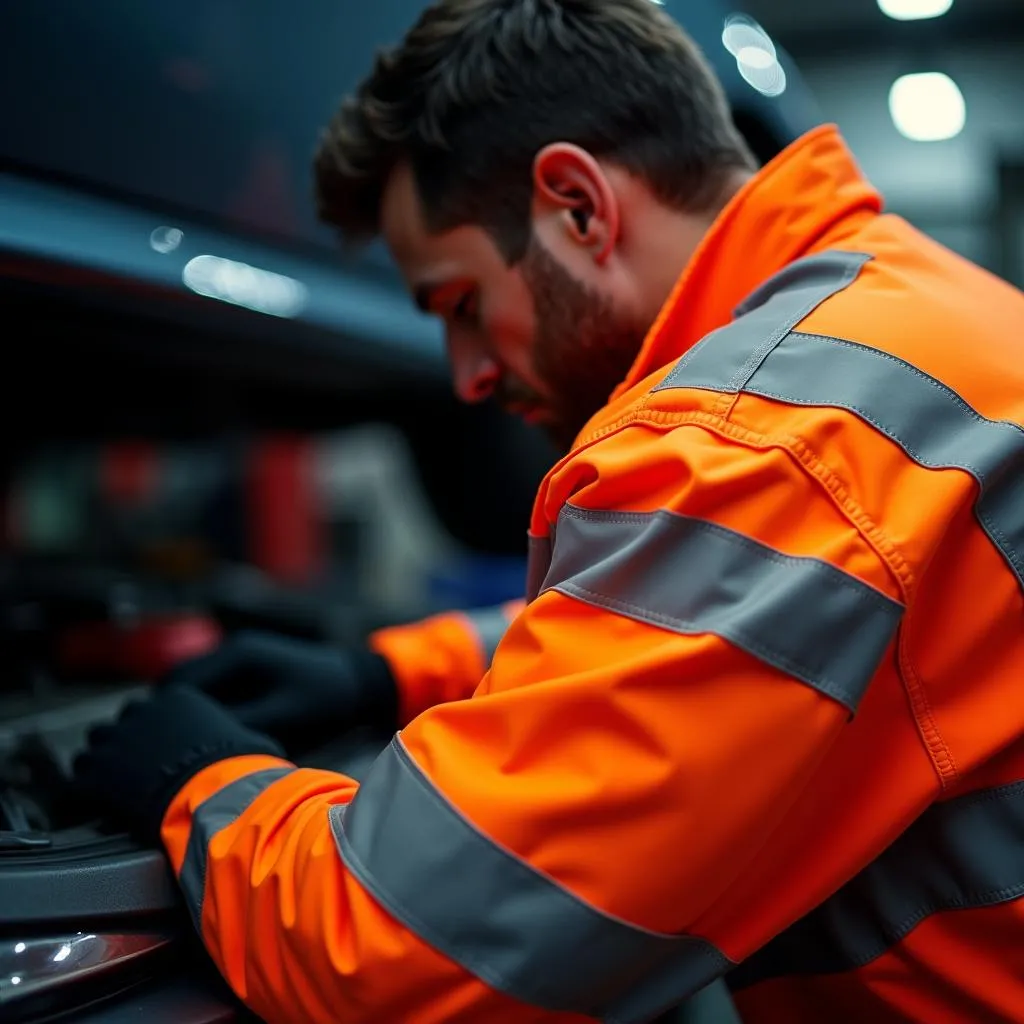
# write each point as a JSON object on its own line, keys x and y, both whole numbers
{"x": 475, "y": 373}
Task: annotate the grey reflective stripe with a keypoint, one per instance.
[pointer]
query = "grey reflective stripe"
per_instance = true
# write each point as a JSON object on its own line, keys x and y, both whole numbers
{"x": 213, "y": 816}
{"x": 490, "y": 625}
{"x": 928, "y": 420}
{"x": 801, "y": 615}
{"x": 537, "y": 565}
{"x": 484, "y": 908}
{"x": 962, "y": 854}
{"x": 726, "y": 358}
{"x": 760, "y": 355}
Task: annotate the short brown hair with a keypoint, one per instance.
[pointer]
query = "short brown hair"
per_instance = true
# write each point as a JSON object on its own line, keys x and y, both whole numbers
{"x": 478, "y": 87}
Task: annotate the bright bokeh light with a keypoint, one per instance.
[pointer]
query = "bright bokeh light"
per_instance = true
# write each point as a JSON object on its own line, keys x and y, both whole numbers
{"x": 742, "y": 33}
{"x": 927, "y": 107}
{"x": 914, "y": 10}
{"x": 756, "y": 57}
{"x": 242, "y": 285}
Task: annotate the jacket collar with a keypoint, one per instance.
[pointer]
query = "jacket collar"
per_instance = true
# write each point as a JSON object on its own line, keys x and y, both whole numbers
{"x": 809, "y": 198}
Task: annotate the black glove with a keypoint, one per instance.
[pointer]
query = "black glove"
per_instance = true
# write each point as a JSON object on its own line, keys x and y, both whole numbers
{"x": 133, "y": 769}
{"x": 303, "y": 694}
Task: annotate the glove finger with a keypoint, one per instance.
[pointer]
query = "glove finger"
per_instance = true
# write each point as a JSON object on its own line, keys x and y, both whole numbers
{"x": 203, "y": 672}
{"x": 262, "y": 714}
{"x": 231, "y": 678}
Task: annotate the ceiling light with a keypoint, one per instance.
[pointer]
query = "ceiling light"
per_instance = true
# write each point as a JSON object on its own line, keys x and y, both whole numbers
{"x": 914, "y": 10}
{"x": 742, "y": 33}
{"x": 762, "y": 71}
{"x": 243, "y": 285}
{"x": 927, "y": 107}
{"x": 756, "y": 58}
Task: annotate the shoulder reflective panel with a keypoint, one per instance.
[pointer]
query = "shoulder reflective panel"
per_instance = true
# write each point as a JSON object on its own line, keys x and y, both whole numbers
{"x": 514, "y": 928}
{"x": 759, "y": 354}
{"x": 801, "y": 615}
{"x": 726, "y": 358}
{"x": 928, "y": 420}
{"x": 213, "y": 816}
{"x": 962, "y": 854}
{"x": 490, "y": 625}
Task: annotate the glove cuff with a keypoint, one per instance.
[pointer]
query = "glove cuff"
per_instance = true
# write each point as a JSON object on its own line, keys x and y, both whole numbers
{"x": 174, "y": 775}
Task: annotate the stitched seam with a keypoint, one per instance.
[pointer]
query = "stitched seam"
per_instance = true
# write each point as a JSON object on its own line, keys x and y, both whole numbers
{"x": 937, "y": 385}
{"x": 802, "y": 453}
{"x": 758, "y": 356}
{"x": 997, "y": 534}
{"x": 726, "y": 404}
{"x": 968, "y": 901}
{"x": 938, "y": 749}
{"x": 885, "y": 548}
{"x": 950, "y": 395}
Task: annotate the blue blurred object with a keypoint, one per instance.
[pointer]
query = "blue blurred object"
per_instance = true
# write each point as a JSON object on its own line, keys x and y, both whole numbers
{"x": 478, "y": 581}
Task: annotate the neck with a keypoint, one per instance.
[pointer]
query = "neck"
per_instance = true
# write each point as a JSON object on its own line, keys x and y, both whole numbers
{"x": 810, "y": 197}
{"x": 664, "y": 242}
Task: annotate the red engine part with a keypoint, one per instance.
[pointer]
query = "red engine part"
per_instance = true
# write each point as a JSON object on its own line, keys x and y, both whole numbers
{"x": 144, "y": 651}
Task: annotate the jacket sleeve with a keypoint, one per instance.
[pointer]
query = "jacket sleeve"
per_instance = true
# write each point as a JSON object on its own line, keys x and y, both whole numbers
{"x": 662, "y": 769}
{"x": 442, "y": 658}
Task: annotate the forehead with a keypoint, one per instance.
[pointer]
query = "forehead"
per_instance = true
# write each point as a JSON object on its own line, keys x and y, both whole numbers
{"x": 427, "y": 259}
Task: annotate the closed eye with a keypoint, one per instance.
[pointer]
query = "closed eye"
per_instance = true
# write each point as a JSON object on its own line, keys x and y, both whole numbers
{"x": 465, "y": 310}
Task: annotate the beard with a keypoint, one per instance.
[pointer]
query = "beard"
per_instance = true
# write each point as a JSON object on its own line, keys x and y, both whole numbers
{"x": 583, "y": 348}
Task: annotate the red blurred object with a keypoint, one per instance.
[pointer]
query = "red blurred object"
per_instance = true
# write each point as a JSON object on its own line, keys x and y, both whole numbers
{"x": 286, "y": 532}
{"x": 143, "y": 651}
{"x": 129, "y": 472}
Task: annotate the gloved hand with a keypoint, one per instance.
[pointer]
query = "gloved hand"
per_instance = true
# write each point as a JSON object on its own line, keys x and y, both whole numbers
{"x": 303, "y": 694}
{"x": 133, "y": 768}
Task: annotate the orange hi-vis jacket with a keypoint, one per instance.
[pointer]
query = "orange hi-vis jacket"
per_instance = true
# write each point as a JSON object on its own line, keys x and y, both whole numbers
{"x": 762, "y": 715}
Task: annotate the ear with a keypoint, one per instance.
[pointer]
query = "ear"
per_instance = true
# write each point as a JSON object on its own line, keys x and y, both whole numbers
{"x": 569, "y": 182}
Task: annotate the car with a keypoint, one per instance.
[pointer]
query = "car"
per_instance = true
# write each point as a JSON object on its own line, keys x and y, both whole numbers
{"x": 180, "y": 332}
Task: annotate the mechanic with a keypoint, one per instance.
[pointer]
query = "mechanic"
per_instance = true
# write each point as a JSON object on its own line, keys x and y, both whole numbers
{"x": 762, "y": 714}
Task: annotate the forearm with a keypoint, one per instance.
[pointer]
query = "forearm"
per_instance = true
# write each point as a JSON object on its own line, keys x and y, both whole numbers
{"x": 257, "y": 846}
{"x": 442, "y": 658}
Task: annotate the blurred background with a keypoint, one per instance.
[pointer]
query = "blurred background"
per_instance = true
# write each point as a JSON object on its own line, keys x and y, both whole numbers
{"x": 216, "y": 419}
{"x": 928, "y": 94}
{"x": 213, "y": 419}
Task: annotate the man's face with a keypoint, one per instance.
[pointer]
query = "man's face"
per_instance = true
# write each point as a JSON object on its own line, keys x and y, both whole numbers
{"x": 548, "y": 342}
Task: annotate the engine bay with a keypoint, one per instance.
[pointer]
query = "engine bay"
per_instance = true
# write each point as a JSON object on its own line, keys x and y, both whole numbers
{"x": 76, "y": 645}
{"x": 41, "y": 733}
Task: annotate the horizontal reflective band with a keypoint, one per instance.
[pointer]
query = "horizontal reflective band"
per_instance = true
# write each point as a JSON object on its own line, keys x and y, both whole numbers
{"x": 801, "y": 615}
{"x": 963, "y": 854}
{"x": 212, "y": 816}
{"x": 503, "y": 921}
{"x": 490, "y": 625}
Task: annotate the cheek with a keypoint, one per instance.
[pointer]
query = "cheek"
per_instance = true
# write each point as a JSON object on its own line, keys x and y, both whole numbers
{"x": 511, "y": 326}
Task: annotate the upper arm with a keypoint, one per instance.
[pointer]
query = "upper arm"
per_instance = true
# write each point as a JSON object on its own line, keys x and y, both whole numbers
{"x": 645, "y": 788}
{"x": 651, "y": 733}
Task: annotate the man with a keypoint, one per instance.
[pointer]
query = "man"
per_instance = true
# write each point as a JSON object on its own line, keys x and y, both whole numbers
{"x": 762, "y": 714}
